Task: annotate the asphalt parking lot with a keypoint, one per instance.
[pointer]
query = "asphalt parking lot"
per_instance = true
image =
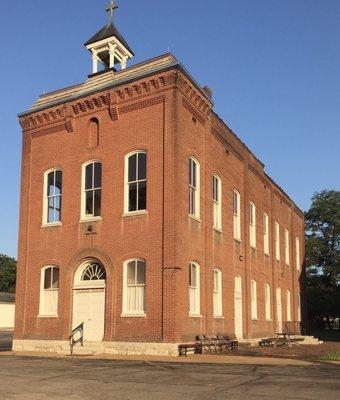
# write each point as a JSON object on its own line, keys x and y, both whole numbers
{"x": 33, "y": 378}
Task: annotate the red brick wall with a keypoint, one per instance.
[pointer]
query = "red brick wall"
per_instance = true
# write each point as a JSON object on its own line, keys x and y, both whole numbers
{"x": 151, "y": 116}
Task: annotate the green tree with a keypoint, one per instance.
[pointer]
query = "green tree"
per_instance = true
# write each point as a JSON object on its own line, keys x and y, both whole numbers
{"x": 7, "y": 274}
{"x": 323, "y": 257}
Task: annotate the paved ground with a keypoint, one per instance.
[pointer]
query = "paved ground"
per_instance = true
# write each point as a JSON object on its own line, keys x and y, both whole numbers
{"x": 6, "y": 340}
{"x": 36, "y": 378}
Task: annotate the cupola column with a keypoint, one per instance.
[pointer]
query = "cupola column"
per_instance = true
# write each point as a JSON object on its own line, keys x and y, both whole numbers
{"x": 95, "y": 60}
{"x": 112, "y": 51}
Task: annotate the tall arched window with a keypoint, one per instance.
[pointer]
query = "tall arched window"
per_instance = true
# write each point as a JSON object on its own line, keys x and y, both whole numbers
{"x": 194, "y": 289}
{"x": 135, "y": 182}
{"x": 252, "y": 224}
{"x": 217, "y": 301}
{"x": 49, "y": 288}
{"x": 297, "y": 253}
{"x": 265, "y": 233}
{"x": 237, "y": 215}
{"x": 217, "y": 201}
{"x": 267, "y": 302}
{"x": 194, "y": 188}
{"x": 289, "y": 309}
{"x": 134, "y": 287}
{"x": 277, "y": 241}
{"x": 287, "y": 247}
{"x": 52, "y": 197}
{"x": 253, "y": 299}
{"x": 92, "y": 190}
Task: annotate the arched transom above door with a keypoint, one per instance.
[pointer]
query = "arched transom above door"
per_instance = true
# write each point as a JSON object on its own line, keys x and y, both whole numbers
{"x": 90, "y": 274}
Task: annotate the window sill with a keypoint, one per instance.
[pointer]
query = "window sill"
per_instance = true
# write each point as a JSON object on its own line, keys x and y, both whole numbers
{"x": 195, "y": 316}
{"x": 267, "y": 254}
{"x": 51, "y": 225}
{"x": 253, "y": 248}
{"x": 277, "y": 259}
{"x": 194, "y": 218}
{"x": 217, "y": 230}
{"x": 255, "y": 319}
{"x": 92, "y": 219}
{"x": 237, "y": 240}
{"x": 48, "y": 316}
{"x": 269, "y": 320}
{"x": 218, "y": 317}
{"x": 134, "y": 214}
{"x": 133, "y": 315}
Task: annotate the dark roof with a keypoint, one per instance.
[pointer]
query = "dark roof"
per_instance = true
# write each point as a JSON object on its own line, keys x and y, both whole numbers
{"x": 7, "y": 297}
{"x": 107, "y": 31}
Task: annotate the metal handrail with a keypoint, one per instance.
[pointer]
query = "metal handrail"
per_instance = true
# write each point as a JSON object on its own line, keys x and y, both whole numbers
{"x": 73, "y": 342}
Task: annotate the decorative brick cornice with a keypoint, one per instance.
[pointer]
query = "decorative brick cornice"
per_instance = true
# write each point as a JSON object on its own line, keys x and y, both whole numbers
{"x": 193, "y": 111}
{"x": 44, "y": 119}
{"x": 91, "y": 104}
{"x": 194, "y": 97}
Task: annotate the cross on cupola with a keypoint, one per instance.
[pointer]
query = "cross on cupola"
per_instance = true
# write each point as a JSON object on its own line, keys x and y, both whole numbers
{"x": 108, "y": 46}
{"x": 111, "y": 9}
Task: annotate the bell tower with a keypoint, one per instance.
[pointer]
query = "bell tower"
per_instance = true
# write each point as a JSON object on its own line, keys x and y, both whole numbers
{"x": 108, "y": 46}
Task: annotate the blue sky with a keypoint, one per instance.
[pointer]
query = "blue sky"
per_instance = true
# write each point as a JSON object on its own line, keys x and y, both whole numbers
{"x": 273, "y": 67}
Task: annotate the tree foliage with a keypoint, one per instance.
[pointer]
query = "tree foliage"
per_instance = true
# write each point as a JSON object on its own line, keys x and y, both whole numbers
{"x": 323, "y": 256}
{"x": 7, "y": 274}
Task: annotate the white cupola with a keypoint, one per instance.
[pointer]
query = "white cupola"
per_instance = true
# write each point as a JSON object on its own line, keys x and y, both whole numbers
{"x": 108, "y": 46}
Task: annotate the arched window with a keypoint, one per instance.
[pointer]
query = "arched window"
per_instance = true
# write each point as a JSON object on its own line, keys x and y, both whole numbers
{"x": 134, "y": 287}
{"x": 217, "y": 202}
{"x": 49, "y": 288}
{"x": 297, "y": 255}
{"x": 253, "y": 299}
{"x": 277, "y": 241}
{"x": 299, "y": 307}
{"x": 252, "y": 224}
{"x": 135, "y": 182}
{"x": 52, "y": 197}
{"x": 94, "y": 272}
{"x": 92, "y": 190}
{"x": 289, "y": 309}
{"x": 237, "y": 215}
{"x": 194, "y": 289}
{"x": 267, "y": 302}
{"x": 194, "y": 188}
{"x": 265, "y": 233}
{"x": 287, "y": 247}
{"x": 93, "y": 134}
{"x": 217, "y": 274}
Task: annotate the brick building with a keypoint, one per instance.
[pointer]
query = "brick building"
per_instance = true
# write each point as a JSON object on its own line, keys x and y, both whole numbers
{"x": 144, "y": 217}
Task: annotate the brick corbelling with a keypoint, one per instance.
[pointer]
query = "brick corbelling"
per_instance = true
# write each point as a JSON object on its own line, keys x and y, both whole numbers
{"x": 193, "y": 111}
{"x": 141, "y": 104}
{"x": 46, "y": 118}
{"x": 92, "y": 103}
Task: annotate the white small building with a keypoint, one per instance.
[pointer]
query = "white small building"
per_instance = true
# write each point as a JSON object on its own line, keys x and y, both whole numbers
{"x": 7, "y": 310}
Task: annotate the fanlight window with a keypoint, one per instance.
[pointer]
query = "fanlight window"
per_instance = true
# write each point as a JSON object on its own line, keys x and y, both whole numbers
{"x": 94, "y": 272}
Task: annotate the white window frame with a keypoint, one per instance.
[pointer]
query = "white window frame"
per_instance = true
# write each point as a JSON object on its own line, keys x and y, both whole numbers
{"x": 289, "y": 306}
{"x": 299, "y": 307}
{"x": 267, "y": 302}
{"x": 287, "y": 247}
{"x": 266, "y": 234}
{"x": 217, "y": 202}
{"x": 298, "y": 253}
{"x": 194, "y": 291}
{"x": 237, "y": 215}
{"x": 46, "y": 198}
{"x": 48, "y": 296}
{"x": 253, "y": 300}
{"x": 252, "y": 224}
{"x": 277, "y": 240}
{"x": 138, "y": 181}
{"x": 217, "y": 293}
{"x": 84, "y": 216}
{"x": 194, "y": 191}
{"x": 125, "y": 310}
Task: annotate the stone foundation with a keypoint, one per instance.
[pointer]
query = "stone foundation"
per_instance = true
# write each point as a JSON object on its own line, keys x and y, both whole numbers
{"x": 91, "y": 348}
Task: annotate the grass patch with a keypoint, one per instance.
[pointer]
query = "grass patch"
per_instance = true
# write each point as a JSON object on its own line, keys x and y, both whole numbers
{"x": 332, "y": 356}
